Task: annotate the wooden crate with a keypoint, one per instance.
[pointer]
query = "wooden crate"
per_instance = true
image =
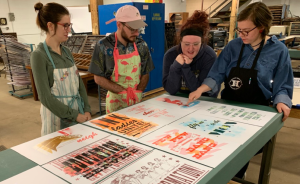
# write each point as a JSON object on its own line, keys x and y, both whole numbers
{"x": 82, "y": 61}
{"x": 277, "y": 14}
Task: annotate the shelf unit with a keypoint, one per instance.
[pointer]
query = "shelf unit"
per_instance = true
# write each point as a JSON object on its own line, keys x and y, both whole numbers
{"x": 179, "y": 18}
{"x": 278, "y": 14}
{"x": 82, "y": 44}
{"x": 294, "y": 28}
{"x": 170, "y": 35}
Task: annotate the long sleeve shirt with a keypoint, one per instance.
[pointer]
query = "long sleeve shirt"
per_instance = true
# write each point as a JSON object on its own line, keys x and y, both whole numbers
{"x": 275, "y": 74}
{"x": 42, "y": 70}
{"x": 187, "y": 77}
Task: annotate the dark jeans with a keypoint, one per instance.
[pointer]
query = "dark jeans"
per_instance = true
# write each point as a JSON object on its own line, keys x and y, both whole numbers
{"x": 242, "y": 172}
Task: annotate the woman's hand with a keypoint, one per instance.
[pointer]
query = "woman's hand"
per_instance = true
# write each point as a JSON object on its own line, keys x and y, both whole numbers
{"x": 180, "y": 59}
{"x": 194, "y": 96}
{"x": 81, "y": 118}
{"x": 286, "y": 110}
{"x": 88, "y": 115}
{"x": 187, "y": 60}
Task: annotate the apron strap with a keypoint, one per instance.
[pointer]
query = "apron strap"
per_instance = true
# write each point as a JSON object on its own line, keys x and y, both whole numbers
{"x": 131, "y": 95}
{"x": 116, "y": 54}
{"x": 256, "y": 57}
{"x": 258, "y": 53}
{"x": 240, "y": 56}
{"x": 75, "y": 97}
{"x": 48, "y": 54}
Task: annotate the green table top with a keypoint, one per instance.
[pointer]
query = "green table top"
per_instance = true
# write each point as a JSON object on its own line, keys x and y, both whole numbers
{"x": 12, "y": 163}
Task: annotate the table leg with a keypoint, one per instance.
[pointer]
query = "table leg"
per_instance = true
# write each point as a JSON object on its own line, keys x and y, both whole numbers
{"x": 266, "y": 162}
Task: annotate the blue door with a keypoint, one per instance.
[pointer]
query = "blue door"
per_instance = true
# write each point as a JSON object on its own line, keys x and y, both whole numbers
{"x": 145, "y": 12}
{"x": 157, "y": 46}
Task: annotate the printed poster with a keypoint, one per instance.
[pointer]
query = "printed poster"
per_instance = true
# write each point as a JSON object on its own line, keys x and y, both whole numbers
{"x": 193, "y": 146}
{"x": 175, "y": 103}
{"x": 160, "y": 167}
{"x": 57, "y": 144}
{"x": 35, "y": 175}
{"x": 153, "y": 113}
{"x": 96, "y": 161}
{"x": 217, "y": 128}
{"x": 236, "y": 113}
{"x": 123, "y": 125}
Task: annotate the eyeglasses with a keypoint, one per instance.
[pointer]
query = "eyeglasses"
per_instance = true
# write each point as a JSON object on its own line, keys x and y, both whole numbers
{"x": 245, "y": 33}
{"x": 131, "y": 29}
{"x": 196, "y": 44}
{"x": 66, "y": 25}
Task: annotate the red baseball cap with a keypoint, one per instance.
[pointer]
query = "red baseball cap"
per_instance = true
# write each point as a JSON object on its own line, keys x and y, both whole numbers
{"x": 131, "y": 15}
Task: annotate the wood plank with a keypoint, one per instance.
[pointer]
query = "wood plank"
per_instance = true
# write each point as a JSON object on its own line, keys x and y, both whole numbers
{"x": 153, "y": 91}
{"x": 94, "y": 13}
{"x": 233, "y": 17}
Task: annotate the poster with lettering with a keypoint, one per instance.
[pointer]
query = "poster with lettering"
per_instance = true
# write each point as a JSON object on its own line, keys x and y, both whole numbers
{"x": 54, "y": 145}
{"x": 35, "y": 175}
{"x": 152, "y": 112}
{"x": 175, "y": 103}
{"x": 193, "y": 146}
{"x": 160, "y": 167}
{"x": 96, "y": 161}
{"x": 236, "y": 113}
{"x": 123, "y": 125}
{"x": 231, "y": 131}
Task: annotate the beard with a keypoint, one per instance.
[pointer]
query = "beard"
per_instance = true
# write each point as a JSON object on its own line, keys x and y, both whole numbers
{"x": 126, "y": 38}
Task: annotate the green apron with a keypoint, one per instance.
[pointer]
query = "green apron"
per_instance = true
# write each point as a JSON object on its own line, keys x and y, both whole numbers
{"x": 127, "y": 73}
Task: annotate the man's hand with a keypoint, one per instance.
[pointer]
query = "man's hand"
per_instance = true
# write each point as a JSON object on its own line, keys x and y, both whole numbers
{"x": 108, "y": 84}
{"x": 281, "y": 107}
{"x": 143, "y": 82}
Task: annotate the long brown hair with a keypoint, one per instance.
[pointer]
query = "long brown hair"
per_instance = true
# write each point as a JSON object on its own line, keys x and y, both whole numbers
{"x": 198, "y": 21}
{"x": 51, "y": 12}
{"x": 259, "y": 14}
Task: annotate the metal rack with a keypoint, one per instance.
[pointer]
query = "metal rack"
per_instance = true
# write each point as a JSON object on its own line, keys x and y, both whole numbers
{"x": 15, "y": 56}
{"x": 82, "y": 44}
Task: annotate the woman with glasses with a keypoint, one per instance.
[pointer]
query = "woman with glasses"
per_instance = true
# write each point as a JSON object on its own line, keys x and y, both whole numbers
{"x": 59, "y": 86}
{"x": 187, "y": 64}
{"x": 255, "y": 67}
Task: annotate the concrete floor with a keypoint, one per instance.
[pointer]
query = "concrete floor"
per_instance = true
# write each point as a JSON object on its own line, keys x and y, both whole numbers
{"x": 20, "y": 122}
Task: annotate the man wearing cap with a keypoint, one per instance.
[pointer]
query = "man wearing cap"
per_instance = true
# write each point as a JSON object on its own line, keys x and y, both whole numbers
{"x": 121, "y": 61}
